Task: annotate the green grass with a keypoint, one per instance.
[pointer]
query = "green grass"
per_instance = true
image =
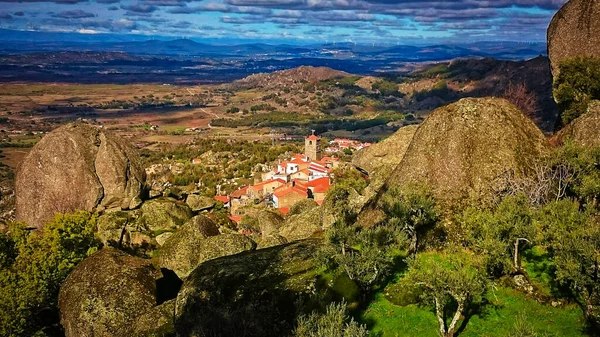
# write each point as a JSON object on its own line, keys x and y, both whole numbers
{"x": 497, "y": 318}
{"x": 540, "y": 269}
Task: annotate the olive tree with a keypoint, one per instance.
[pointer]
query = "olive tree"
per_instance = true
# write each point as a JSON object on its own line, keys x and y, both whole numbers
{"x": 573, "y": 237}
{"x": 501, "y": 233}
{"x": 412, "y": 212}
{"x": 447, "y": 279}
{"x": 365, "y": 255}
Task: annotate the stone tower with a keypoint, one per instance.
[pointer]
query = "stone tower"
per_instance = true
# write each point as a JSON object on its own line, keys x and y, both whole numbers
{"x": 311, "y": 147}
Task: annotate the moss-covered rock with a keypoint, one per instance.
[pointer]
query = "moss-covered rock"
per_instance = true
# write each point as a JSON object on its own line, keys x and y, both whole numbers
{"x": 585, "y": 130}
{"x": 466, "y": 149}
{"x": 258, "y": 293}
{"x": 112, "y": 228}
{"x": 271, "y": 241}
{"x": 157, "y": 322}
{"x": 200, "y": 203}
{"x": 164, "y": 214}
{"x": 302, "y": 206}
{"x": 162, "y": 238}
{"x": 105, "y": 293}
{"x": 303, "y": 225}
{"x": 190, "y": 246}
{"x": 266, "y": 221}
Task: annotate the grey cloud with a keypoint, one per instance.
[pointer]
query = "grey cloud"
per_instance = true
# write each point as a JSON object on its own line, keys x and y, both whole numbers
{"x": 139, "y": 8}
{"x": 75, "y": 14}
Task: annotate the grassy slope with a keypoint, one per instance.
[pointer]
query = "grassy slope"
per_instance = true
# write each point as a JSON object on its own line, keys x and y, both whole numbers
{"x": 497, "y": 318}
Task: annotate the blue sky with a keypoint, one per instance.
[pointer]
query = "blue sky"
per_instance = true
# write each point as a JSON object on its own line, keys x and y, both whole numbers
{"x": 361, "y": 21}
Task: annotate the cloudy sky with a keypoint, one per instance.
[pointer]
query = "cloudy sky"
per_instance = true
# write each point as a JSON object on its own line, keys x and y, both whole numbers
{"x": 392, "y": 21}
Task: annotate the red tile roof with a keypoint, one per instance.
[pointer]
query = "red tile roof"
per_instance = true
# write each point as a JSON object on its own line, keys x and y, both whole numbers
{"x": 222, "y": 198}
{"x": 320, "y": 185}
{"x": 236, "y": 218}
{"x": 294, "y": 189}
{"x": 313, "y": 137}
{"x": 283, "y": 210}
{"x": 239, "y": 193}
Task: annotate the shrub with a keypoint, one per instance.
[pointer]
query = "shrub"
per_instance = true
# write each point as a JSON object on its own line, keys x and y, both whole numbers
{"x": 334, "y": 323}
{"x": 577, "y": 84}
{"x": 31, "y": 278}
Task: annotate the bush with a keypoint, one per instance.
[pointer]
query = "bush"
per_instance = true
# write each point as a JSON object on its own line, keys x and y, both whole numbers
{"x": 334, "y": 323}
{"x": 34, "y": 265}
{"x": 577, "y": 84}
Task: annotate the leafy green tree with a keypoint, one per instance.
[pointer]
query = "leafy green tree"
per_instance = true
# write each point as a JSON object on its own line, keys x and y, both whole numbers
{"x": 29, "y": 285}
{"x": 574, "y": 239}
{"x": 413, "y": 212}
{"x": 582, "y": 170}
{"x": 577, "y": 84}
{"x": 365, "y": 255}
{"x": 500, "y": 234}
{"x": 334, "y": 323}
{"x": 446, "y": 280}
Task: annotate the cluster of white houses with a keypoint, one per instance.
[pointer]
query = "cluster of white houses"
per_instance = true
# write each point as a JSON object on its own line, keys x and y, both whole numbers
{"x": 341, "y": 144}
{"x": 302, "y": 176}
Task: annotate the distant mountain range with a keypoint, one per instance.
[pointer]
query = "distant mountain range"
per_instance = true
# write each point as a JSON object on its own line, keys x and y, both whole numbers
{"x": 16, "y": 42}
{"x": 111, "y": 58}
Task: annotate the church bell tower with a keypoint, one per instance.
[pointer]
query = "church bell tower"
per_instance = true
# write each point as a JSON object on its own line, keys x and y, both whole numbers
{"x": 311, "y": 147}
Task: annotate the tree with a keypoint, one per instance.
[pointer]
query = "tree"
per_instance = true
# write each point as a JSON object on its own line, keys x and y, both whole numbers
{"x": 577, "y": 84}
{"x": 334, "y": 323}
{"x": 447, "y": 279}
{"x": 365, "y": 255}
{"x": 501, "y": 233}
{"x": 574, "y": 239}
{"x": 518, "y": 95}
{"x": 413, "y": 212}
{"x": 29, "y": 285}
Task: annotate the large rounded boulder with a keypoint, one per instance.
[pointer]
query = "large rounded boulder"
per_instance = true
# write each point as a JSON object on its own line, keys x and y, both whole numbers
{"x": 574, "y": 31}
{"x": 585, "y": 130}
{"x": 77, "y": 167}
{"x": 257, "y": 293}
{"x": 380, "y": 159}
{"x": 468, "y": 149}
{"x": 197, "y": 241}
{"x": 164, "y": 214}
{"x": 105, "y": 293}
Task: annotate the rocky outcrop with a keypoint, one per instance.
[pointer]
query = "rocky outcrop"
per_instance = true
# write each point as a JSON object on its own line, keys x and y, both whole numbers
{"x": 271, "y": 241}
{"x": 574, "y": 31}
{"x": 199, "y": 241}
{"x": 250, "y": 294}
{"x": 302, "y": 206}
{"x": 115, "y": 227}
{"x": 77, "y": 167}
{"x": 585, "y": 130}
{"x": 164, "y": 214}
{"x": 105, "y": 293}
{"x": 466, "y": 149}
{"x": 302, "y": 225}
{"x": 380, "y": 159}
{"x": 200, "y": 203}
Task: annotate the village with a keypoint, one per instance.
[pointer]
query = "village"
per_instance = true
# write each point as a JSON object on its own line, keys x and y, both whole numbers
{"x": 303, "y": 176}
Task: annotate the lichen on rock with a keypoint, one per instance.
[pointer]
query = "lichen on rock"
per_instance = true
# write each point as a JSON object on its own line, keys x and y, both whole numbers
{"x": 77, "y": 167}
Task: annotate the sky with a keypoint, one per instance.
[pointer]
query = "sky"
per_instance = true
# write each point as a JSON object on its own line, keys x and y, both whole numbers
{"x": 308, "y": 21}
